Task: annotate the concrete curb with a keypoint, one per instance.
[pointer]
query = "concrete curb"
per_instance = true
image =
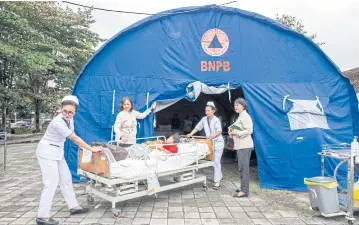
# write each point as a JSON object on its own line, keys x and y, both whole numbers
{"x": 13, "y": 137}
{"x": 12, "y": 142}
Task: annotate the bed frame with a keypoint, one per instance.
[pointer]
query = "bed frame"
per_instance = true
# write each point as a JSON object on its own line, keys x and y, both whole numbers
{"x": 118, "y": 190}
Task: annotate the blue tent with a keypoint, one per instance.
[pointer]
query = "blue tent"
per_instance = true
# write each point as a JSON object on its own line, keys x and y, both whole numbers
{"x": 297, "y": 97}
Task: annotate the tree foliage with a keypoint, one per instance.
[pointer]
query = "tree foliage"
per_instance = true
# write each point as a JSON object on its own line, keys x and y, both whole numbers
{"x": 43, "y": 46}
{"x": 297, "y": 25}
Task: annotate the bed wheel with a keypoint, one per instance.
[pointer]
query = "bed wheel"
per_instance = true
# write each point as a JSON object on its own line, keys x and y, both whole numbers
{"x": 116, "y": 212}
{"x": 205, "y": 187}
{"x": 315, "y": 209}
{"x": 350, "y": 222}
{"x": 90, "y": 199}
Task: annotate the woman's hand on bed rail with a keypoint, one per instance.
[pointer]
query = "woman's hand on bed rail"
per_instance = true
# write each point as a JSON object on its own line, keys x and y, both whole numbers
{"x": 83, "y": 144}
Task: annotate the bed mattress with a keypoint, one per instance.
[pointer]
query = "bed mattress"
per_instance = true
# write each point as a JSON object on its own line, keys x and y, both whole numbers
{"x": 158, "y": 161}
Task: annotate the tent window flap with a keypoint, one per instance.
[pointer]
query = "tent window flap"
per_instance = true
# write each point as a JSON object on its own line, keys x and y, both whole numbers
{"x": 305, "y": 114}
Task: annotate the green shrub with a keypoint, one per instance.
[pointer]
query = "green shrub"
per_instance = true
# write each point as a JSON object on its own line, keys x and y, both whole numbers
{"x": 22, "y": 130}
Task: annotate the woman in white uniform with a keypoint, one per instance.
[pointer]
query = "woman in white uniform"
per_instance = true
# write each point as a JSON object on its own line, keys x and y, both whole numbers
{"x": 213, "y": 129}
{"x": 54, "y": 169}
{"x": 125, "y": 125}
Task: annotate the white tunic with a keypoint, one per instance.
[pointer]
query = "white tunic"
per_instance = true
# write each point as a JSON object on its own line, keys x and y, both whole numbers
{"x": 51, "y": 145}
{"x": 211, "y": 127}
{"x": 126, "y": 125}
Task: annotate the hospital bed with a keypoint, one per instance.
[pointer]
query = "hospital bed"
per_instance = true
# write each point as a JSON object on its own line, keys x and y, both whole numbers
{"x": 118, "y": 181}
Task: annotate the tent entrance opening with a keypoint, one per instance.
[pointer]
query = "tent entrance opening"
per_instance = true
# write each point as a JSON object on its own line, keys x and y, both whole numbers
{"x": 183, "y": 116}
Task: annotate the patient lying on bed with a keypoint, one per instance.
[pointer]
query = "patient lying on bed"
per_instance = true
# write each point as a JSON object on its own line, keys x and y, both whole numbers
{"x": 142, "y": 151}
{"x": 168, "y": 146}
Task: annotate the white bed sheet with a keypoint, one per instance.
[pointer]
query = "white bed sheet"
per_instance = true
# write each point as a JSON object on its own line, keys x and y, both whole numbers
{"x": 188, "y": 154}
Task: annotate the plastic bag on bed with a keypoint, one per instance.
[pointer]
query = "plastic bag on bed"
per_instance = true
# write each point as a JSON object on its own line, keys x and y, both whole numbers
{"x": 111, "y": 158}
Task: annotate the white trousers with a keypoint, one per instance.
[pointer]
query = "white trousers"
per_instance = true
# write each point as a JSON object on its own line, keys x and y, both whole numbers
{"x": 54, "y": 173}
{"x": 218, "y": 152}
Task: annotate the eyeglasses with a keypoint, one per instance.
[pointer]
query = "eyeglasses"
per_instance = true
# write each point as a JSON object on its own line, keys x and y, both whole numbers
{"x": 65, "y": 112}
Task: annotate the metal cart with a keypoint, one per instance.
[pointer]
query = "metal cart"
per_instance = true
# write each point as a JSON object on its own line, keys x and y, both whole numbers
{"x": 343, "y": 153}
{"x": 3, "y": 151}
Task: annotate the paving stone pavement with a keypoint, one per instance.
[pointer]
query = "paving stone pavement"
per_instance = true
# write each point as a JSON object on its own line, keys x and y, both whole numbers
{"x": 20, "y": 189}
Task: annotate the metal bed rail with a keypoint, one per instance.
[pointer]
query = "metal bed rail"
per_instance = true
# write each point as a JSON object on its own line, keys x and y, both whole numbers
{"x": 144, "y": 138}
{"x": 158, "y": 147}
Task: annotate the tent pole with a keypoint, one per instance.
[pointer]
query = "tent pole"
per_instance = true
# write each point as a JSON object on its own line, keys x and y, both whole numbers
{"x": 113, "y": 111}
{"x": 148, "y": 96}
{"x": 229, "y": 93}
{"x": 113, "y": 102}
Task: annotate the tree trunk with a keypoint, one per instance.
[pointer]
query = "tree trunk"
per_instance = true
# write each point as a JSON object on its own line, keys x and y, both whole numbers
{"x": 37, "y": 105}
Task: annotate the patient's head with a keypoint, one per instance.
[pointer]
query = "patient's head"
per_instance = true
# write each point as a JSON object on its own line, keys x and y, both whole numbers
{"x": 174, "y": 138}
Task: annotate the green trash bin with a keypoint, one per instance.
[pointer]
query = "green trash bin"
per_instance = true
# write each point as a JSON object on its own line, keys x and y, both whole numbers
{"x": 323, "y": 194}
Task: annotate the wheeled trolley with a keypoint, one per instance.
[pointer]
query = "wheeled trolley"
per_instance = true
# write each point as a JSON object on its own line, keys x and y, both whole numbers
{"x": 345, "y": 155}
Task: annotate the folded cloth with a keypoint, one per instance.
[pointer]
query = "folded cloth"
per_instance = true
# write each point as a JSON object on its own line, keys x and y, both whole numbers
{"x": 138, "y": 152}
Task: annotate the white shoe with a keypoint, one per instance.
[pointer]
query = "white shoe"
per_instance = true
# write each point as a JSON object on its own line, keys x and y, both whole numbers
{"x": 216, "y": 185}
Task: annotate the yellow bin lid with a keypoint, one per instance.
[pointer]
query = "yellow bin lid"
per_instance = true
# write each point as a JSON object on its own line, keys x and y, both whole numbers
{"x": 327, "y": 182}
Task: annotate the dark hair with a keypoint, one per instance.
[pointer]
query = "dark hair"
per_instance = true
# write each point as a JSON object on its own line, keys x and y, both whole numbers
{"x": 176, "y": 137}
{"x": 212, "y": 107}
{"x": 126, "y": 98}
{"x": 242, "y": 102}
{"x": 68, "y": 102}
